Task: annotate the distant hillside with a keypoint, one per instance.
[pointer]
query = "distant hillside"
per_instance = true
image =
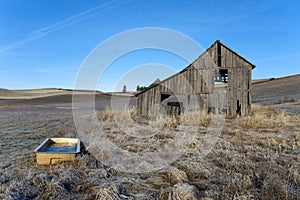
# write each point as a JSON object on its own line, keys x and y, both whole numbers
{"x": 276, "y": 90}
{"x": 39, "y": 93}
{"x": 264, "y": 91}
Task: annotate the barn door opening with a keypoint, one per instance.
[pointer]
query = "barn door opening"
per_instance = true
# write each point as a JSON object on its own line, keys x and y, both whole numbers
{"x": 171, "y": 104}
{"x": 238, "y": 108}
{"x": 175, "y": 108}
{"x": 219, "y": 101}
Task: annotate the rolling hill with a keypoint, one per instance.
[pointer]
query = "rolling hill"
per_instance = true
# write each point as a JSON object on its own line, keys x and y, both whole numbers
{"x": 276, "y": 90}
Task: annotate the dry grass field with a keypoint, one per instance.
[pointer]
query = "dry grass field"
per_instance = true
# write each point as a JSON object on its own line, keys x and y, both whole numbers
{"x": 253, "y": 157}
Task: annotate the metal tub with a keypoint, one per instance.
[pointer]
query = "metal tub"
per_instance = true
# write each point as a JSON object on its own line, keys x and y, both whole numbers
{"x": 54, "y": 150}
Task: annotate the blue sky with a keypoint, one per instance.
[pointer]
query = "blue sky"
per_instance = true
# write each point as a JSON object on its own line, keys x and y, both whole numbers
{"x": 44, "y": 43}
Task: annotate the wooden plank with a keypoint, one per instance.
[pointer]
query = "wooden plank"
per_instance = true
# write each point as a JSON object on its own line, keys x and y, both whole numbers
{"x": 229, "y": 63}
{"x": 142, "y": 104}
{"x": 138, "y": 102}
{"x": 241, "y": 89}
{"x": 190, "y": 81}
{"x": 155, "y": 101}
{"x": 215, "y": 54}
{"x": 234, "y": 90}
{"x": 229, "y": 92}
{"x": 235, "y": 94}
{"x": 228, "y": 59}
{"x": 196, "y": 79}
{"x": 250, "y": 87}
{"x": 175, "y": 84}
{"x": 185, "y": 80}
{"x": 223, "y": 56}
{"x": 245, "y": 89}
{"x": 152, "y": 101}
{"x": 147, "y": 104}
{"x": 166, "y": 86}
{"x": 241, "y": 80}
{"x": 180, "y": 84}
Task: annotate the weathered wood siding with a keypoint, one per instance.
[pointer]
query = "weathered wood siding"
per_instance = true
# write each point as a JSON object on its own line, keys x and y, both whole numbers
{"x": 239, "y": 78}
{"x": 198, "y": 80}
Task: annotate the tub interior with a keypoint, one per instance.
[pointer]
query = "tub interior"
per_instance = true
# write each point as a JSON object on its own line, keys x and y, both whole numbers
{"x": 59, "y": 146}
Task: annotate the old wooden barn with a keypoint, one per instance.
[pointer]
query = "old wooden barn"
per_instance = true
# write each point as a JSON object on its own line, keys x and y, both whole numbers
{"x": 219, "y": 80}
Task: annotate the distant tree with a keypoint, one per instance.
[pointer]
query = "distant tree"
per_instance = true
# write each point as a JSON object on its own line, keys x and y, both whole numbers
{"x": 141, "y": 88}
{"x": 124, "y": 89}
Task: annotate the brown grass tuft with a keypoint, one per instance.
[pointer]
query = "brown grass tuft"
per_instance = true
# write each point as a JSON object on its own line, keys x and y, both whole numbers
{"x": 264, "y": 117}
{"x": 110, "y": 115}
{"x": 195, "y": 118}
{"x": 107, "y": 115}
{"x": 167, "y": 122}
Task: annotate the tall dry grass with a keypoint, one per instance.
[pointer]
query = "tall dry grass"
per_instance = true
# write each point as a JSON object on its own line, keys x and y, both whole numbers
{"x": 265, "y": 117}
{"x": 171, "y": 122}
{"x": 196, "y": 118}
{"x": 126, "y": 114}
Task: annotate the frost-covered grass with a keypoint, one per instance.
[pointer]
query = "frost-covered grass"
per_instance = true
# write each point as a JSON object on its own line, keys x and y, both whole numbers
{"x": 255, "y": 157}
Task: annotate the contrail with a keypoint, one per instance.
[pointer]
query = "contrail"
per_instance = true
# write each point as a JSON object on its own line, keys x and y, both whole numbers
{"x": 65, "y": 23}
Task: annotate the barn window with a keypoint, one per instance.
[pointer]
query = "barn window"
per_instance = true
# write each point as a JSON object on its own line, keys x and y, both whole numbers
{"x": 222, "y": 76}
{"x": 164, "y": 96}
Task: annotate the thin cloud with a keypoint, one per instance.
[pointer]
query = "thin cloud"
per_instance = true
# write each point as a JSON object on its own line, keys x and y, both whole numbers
{"x": 279, "y": 57}
{"x": 38, "y": 33}
{"x": 43, "y": 71}
{"x": 232, "y": 12}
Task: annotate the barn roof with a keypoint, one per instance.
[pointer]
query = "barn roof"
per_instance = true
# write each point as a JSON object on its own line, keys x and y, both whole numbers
{"x": 215, "y": 43}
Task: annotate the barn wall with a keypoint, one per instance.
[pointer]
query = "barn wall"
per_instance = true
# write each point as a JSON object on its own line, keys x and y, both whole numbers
{"x": 239, "y": 77}
{"x": 198, "y": 79}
